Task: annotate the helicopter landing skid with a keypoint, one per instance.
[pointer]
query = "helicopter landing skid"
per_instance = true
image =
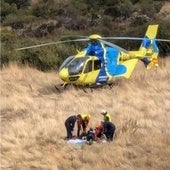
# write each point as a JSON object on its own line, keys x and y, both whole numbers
{"x": 61, "y": 87}
{"x": 101, "y": 85}
{"x": 97, "y": 86}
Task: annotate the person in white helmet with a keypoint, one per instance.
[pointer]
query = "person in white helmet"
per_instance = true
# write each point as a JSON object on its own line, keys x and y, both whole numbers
{"x": 107, "y": 117}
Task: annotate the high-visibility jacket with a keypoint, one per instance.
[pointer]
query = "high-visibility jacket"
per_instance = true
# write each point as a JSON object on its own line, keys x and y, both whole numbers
{"x": 82, "y": 122}
{"x": 107, "y": 117}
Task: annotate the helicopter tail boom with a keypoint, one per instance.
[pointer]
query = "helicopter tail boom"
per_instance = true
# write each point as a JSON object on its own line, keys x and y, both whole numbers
{"x": 148, "y": 51}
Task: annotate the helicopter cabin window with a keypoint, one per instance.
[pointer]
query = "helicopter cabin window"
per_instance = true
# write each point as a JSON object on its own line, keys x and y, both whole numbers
{"x": 66, "y": 62}
{"x": 97, "y": 64}
{"x": 76, "y": 65}
{"x": 88, "y": 67}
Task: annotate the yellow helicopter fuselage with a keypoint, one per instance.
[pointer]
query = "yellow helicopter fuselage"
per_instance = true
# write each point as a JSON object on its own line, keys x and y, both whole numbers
{"x": 87, "y": 75}
{"x": 95, "y": 69}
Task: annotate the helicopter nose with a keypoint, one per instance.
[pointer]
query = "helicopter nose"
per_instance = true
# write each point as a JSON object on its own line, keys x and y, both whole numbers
{"x": 63, "y": 74}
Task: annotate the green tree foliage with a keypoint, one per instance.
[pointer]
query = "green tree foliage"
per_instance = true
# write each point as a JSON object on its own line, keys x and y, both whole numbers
{"x": 7, "y": 9}
{"x": 19, "y": 3}
{"x": 17, "y": 21}
{"x": 118, "y": 8}
{"x": 47, "y": 9}
{"x": 8, "y": 44}
{"x": 47, "y": 20}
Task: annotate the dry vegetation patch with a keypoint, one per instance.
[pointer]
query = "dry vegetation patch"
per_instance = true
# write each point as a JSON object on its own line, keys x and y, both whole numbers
{"x": 33, "y": 115}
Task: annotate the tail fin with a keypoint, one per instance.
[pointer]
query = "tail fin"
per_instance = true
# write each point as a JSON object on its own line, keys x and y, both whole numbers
{"x": 149, "y": 48}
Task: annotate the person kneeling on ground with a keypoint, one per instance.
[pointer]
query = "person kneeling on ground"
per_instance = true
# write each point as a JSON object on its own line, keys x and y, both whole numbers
{"x": 99, "y": 132}
{"x": 109, "y": 130}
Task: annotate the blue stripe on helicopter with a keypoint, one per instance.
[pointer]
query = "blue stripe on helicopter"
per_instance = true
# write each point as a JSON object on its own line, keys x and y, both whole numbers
{"x": 112, "y": 58}
{"x": 155, "y": 47}
{"x": 102, "y": 77}
{"x": 147, "y": 42}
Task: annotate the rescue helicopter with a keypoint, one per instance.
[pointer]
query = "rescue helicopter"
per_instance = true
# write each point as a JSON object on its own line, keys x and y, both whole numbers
{"x": 102, "y": 61}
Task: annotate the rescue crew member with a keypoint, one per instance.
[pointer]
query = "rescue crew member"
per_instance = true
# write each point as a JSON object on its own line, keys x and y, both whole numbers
{"x": 106, "y": 115}
{"x": 99, "y": 131}
{"x": 82, "y": 123}
{"x": 109, "y": 130}
{"x": 69, "y": 124}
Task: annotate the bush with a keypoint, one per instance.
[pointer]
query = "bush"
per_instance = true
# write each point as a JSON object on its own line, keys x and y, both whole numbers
{"x": 18, "y": 21}
{"x": 47, "y": 9}
{"x": 150, "y": 7}
{"x": 44, "y": 58}
{"x": 9, "y": 42}
{"x": 7, "y": 9}
{"x": 164, "y": 33}
{"x": 45, "y": 29}
{"x": 20, "y": 3}
{"x": 107, "y": 21}
{"x": 120, "y": 9}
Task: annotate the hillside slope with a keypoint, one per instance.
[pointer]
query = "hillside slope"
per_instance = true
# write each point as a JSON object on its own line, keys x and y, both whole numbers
{"x": 165, "y": 12}
{"x": 33, "y": 115}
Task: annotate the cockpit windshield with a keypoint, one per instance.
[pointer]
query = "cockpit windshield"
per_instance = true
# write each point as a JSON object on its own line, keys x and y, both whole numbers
{"x": 66, "y": 62}
{"x": 76, "y": 66}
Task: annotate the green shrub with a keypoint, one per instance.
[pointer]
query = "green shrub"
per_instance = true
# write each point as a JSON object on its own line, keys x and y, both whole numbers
{"x": 18, "y": 20}
{"x": 7, "y": 9}
{"x": 20, "y": 3}
{"x": 149, "y": 8}
{"x": 135, "y": 1}
{"x": 47, "y": 9}
{"x": 9, "y": 42}
{"x": 43, "y": 58}
{"x": 164, "y": 33}
{"x": 120, "y": 9}
{"x": 107, "y": 21}
{"x": 45, "y": 29}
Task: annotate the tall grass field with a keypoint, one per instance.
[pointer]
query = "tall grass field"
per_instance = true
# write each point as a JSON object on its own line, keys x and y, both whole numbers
{"x": 33, "y": 115}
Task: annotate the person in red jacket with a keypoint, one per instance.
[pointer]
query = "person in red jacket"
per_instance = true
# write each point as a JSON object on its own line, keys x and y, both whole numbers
{"x": 99, "y": 131}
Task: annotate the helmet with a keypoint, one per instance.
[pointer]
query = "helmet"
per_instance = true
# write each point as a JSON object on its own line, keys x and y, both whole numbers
{"x": 103, "y": 112}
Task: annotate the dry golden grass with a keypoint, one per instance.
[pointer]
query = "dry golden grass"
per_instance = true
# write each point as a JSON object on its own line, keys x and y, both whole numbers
{"x": 33, "y": 115}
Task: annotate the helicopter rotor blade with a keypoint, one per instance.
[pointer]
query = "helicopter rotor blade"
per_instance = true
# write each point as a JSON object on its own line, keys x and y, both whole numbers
{"x": 52, "y": 43}
{"x": 85, "y": 38}
{"x": 113, "y": 45}
{"x": 122, "y": 38}
{"x": 131, "y": 38}
{"x": 73, "y": 35}
{"x": 163, "y": 40}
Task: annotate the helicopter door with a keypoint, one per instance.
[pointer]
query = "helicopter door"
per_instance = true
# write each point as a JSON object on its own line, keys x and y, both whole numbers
{"x": 91, "y": 71}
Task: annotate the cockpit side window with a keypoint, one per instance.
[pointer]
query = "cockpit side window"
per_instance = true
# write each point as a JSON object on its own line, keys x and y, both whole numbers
{"x": 66, "y": 62}
{"x": 97, "y": 64}
{"x": 88, "y": 67}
